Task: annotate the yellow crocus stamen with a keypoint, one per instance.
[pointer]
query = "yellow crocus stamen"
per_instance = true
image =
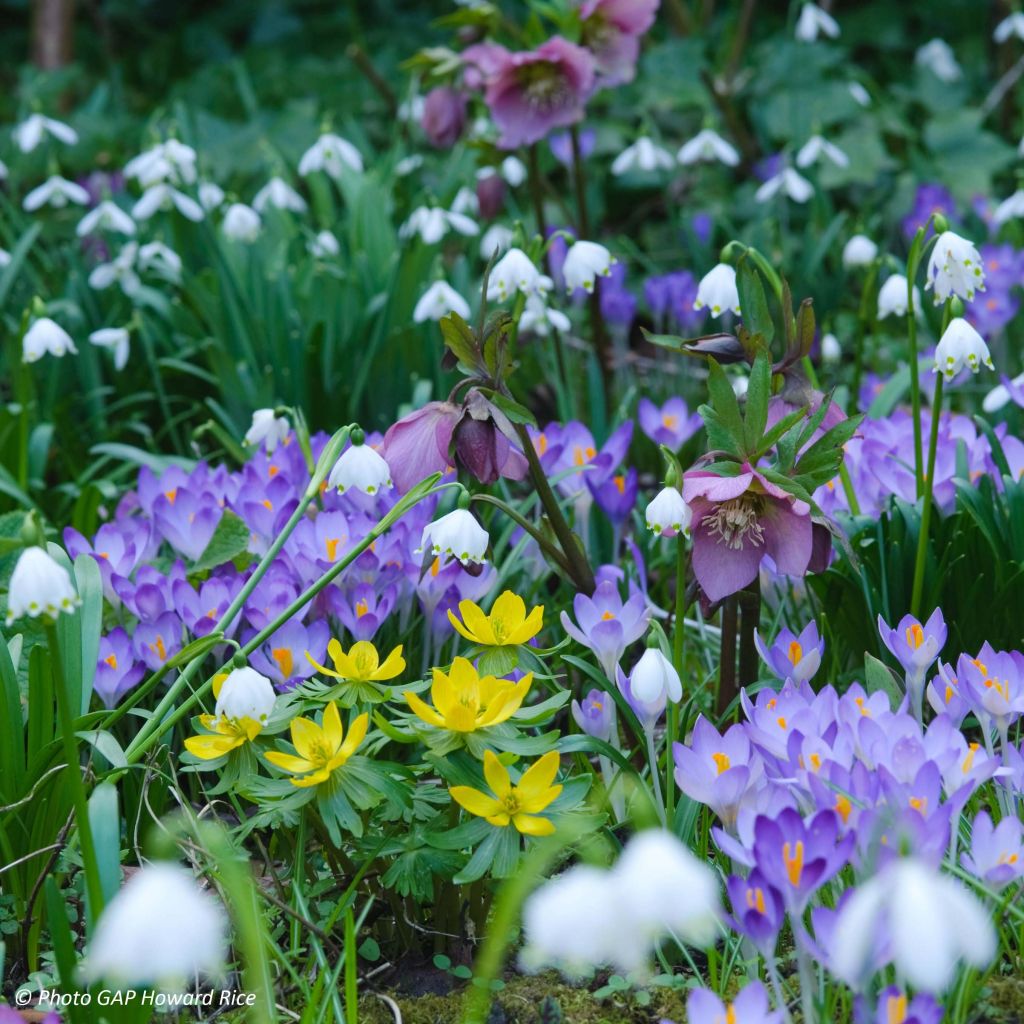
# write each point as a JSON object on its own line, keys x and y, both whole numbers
{"x": 843, "y": 807}
{"x": 755, "y": 899}
{"x": 285, "y": 660}
{"x": 896, "y": 1009}
{"x": 969, "y": 759}
{"x": 915, "y": 636}
{"x": 331, "y": 544}
{"x": 111, "y": 660}
{"x": 796, "y": 652}
{"x": 793, "y": 856}
{"x": 722, "y": 762}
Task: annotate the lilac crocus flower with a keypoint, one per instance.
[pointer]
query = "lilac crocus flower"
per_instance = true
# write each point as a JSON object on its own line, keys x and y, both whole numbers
{"x": 993, "y": 685}
{"x": 671, "y": 425}
{"x": 201, "y": 610}
{"x": 751, "y": 1006}
{"x": 282, "y": 659}
{"x": 155, "y": 642}
{"x": 616, "y": 496}
{"x": 186, "y": 521}
{"x": 758, "y": 911}
{"x": 915, "y": 647}
{"x": 791, "y": 656}
{"x": 118, "y": 548}
{"x": 561, "y": 148}
{"x": 618, "y": 303}
{"x": 363, "y": 610}
{"x": 930, "y": 198}
{"x": 607, "y": 624}
{"x": 595, "y": 715}
{"x": 117, "y": 670}
{"x": 894, "y": 1006}
{"x": 671, "y": 297}
{"x": 997, "y": 852}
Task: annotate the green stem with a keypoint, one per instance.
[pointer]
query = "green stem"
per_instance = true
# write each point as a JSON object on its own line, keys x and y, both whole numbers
{"x": 915, "y": 386}
{"x": 926, "y": 511}
{"x": 868, "y": 307}
{"x": 678, "y": 642}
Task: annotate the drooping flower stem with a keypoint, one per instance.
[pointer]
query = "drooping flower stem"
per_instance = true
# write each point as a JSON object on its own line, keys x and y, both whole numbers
{"x": 750, "y": 609}
{"x": 678, "y": 642}
{"x": 727, "y": 655}
{"x": 917, "y": 249}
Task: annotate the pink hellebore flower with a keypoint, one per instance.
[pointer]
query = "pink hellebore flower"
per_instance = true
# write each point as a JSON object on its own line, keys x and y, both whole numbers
{"x": 737, "y": 520}
{"x": 417, "y": 445}
{"x": 612, "y": 31}
{"x": 532, "y": 92}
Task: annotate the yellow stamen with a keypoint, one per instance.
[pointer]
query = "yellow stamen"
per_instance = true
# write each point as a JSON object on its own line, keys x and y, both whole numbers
{"x": 794, "y": 859}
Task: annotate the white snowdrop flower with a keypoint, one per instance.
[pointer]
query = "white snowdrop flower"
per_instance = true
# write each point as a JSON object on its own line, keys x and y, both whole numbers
{"x": 1000, "y": 395}
{"x": 331, "y": 154}
{"x": 1011, "y": 25}
{"x": 814, "y": 22}
{"x": 892, "y": 297}
{"x": 432, "y": 223}
{"x": 740, "y": 385}
{"x": 708, "y": 145}
{"x": 360, "y": 468}
{"x": 169, "y": 161}
{"x": 654, "y": 680}
{"x": 1020, "y": 147}
{"x": 108, "y": 216}
{"x": 116, "y": 340}
{"x": 667, "y": 514}
{"x": 160, "y": 929}
{"x": 515, "y": 272}
{"x": 162, "y": 260}
{"x": 954, "y": 268}
{"x": 717, "y": 291}
{"x": 323, "y": 245}
{"x": 860, "y": 95}
{"x": 56, "y": 192}
{"x": 496, "y": 237}
{"x": 241, "y": 223}
{"x": 268, "y": 429}
{"x": 211, "y": 195}
{"x": 39, "y": 586}
{"x": 36, "y": 127}
{"x": 279, "y": 194}
{"x": 937, "y": 57}
{"x": 539, "y": 318}
{"x": 165, "y": 197}
{"x": 928, "y": 920}
{"x": 859, "y": 251}
{"x": 120, "y": 271}
{"x": 5, "y": 258}
{"x": 831, "y": 350}
{"x": 438, "y": 301}
{"x": 4, "y": 172}
{"x": 787, "y": 181}
{"x": 407, "y": 165}
{"x": 45, "y": 336}
{"x": 466, "y": 202}
{"x": 513, "y": 170}
{"x": 815, "y": 148}
{"x": 411, "y": 109}
{"x": 643, "y": 155}
{"x": 458, "y": 535}
{"x": 245, "y": 694}
{"x": 584, "y": 264}
{"x": 1009, "y": 208}
{"x": 961, "y": 345}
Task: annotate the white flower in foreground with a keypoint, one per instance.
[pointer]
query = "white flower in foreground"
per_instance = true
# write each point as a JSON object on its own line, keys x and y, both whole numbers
{"x": 1011, "y": 25}
{"x": 860, "y": 95}
{"x": 160, "y": 929}
{"x": 162, "y": 196}
{"x": 108, "y": 216}
{"x": 1000, "y": 395}
{"x": 162, "y": 260}
{"x": 279, "y": 194}
{"x": 937, "y": 57}
{"x": 39, "y": 586}
{"x": 813, "y": 21}
{"x": 498, "y": 238}
{"x": 708, "y": 145}
{"x": 458, "y": 535}
{"x": 438, "y": 301}
{"x": 245, "y": 694}
{"x": 432, "y": 223}
{"x": 1009, "y": 208}
{"x": 323, "y": 245}
{"x": 56, "y": 192}
{"x": 831, "y": 350}
{"x": 815, "y": 148}
{"x": 36, "y": 127}
{"x": 584, "y": 264}
{"x": 539, "y": 318}
{"x": 643, "y": 155}
{"x": 267, "y": 429}
{"x": 210, "y": 195}
{"x": 515, "y": 272}
{"x": 169, "y": 161}
{"x": 798, "y": 188}
{"x": 45, "y": 335}
{"x": 928, "y": 921}
{"x": 955, "y": 268}
{"x": 116, "y": 340}
{"x": 513, "y": 170}
{"x": 331, "y": 154}
{"x": 241, "y": 223}
{"x": 961, "y": 345}
{"x": 120, "y": 270}
{"x": 859, "y": 251}
{"x": 667, "y": 514}
{"x": 892, "y": 297}
{"x": 360, "y": 468}
{"x": 717, "y": 291}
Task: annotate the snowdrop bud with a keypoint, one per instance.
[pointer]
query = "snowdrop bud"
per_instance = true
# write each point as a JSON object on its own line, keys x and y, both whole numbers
{"x": 36, "y": 127}
{"x": 45, "y": 335}
{"x": 457, "y": 535}
{"x": 815, "y": 148}
{"x": 160, "y": 929}
{"x": 323, "y": 245}
{"x": 280, "y": 194}
{"x": 667, "y": 514}
{"x": 654, "y": 680}
{"x": 360, "y": 468}
{"x": 708, "y": 145}
{"x": 115, "y": 339}
{"x": 584, "y": 263}
{"x": 937, "y": 57}
{"x": 211, "y": 195}
{"x": 643, "y": 155}
{"x": 513, "y": 170}
{"x": 961, "y": 345}
{"x": 268, "y": 429}
{"x": 1009, "y": 208}
{"x": 859, "y": 251}
{"x": 56, "y": 192}
{"x": 241, "y": 223}
{"x": 1011, "y": 25}
{"x": 717, "y": 291}
{"x": 892, "y": 297}
{"x": 245, "y": 694}
{"x": 831, "y": 351}
{"x": 39, "y": 586}
{"x": 955, "y": 268}
{"x": 860, "y": 95}
{"x": 497, "y": 238}
{"x": 787, "y": 181}
{"x": 1000, "y": 395}
{"x": 813, "y": 21}
{"x": 438, "y": 301}
{"x": 105, "y": 217}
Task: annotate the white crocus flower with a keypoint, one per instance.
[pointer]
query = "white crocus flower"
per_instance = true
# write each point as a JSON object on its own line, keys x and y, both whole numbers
{"x": 928, "y": 921}
{"x": 438, "y": 301}
{"x": 859, "y": 251}
{"x": 56, "y": 192}
{"x": 162, "y": 260}
{"x": 360, "y": 468}
{"x": 245, "y": 694}
{"x": 938, "y": 58}
{"x": 892, "y": 297}
{"x": 498, "y": 238}
{"x": 120, "y": 270}
{"x": 955, "y": 268}
{"x": 813, "y": 22}
{"x": 457, "y": 535}
{"x": 584, "y": 264}
{"x": 466, "y": 202}
{"x": 815, "y": 148}
{"x": 787, "y": 181}
{"x": 513, "y": 170}
{"x": 45, "y": 336}
{"x": 1009, "y": 208}
{"x": 116, "y": 340}
{"x": 268, "y": 429}
{"x": 831, "y": 350}
{"x": 279, "y": 194}
{"x": 162, "y": 196}
{"x": 1000, "y": 395}
{"x": 860, "y": 95}
{"x": 211, "y": 195}
{"x": 160, "y": 929}
{"x": 108, "y": 216}
{"x": 717, "y": 291}
{"x": 961, "y": 345}
{"x": 331, "y": 154}
{"x": 432, "y": 223}
{"x": 643, "y": 155}
{"x": 708, "y": 145}
{"x": 36, "y": 127}
{"x": 515, "y": 272}
{"x": 323, "y": 245}
{"x": 241, "y": 223}
{"x": 539, "y": 318}
{"x": 667, "y": 514}
{"x": 1011, "y": 25}
{"x": 39, "y": 586}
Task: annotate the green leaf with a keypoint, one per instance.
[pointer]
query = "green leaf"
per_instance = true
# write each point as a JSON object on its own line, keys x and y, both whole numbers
{"x": 725, "y": 404}
{"x": 105, "y": 821}
{"x": 229, "y": 540}
{"x": 879, "y": 677}
{"x": 753, "y": 304}
{"x": 498, "y": 661}
{"x": 758, "y": 392}
{"x": 460, "y": 341}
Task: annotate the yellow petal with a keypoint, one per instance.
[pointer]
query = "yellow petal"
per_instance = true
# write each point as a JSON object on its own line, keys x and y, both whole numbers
{"x": 510, "y": 608}
{"x": 501, "y": 819}
{"x": 460, "y": 628}
{"x": 356, "y": 735}
{"x": 533, "y": 804}
{"x": 530, "y": 825}
{"x": 510, "y": 701}
{"x": 333, "y": 732}
{"x": 530, "y": 628}
{"x": 307, "y": 737}
{"x": 478, "y": 624}
{"x": 539, "y": 776}
{"x": 289, "y": 762}
{"x": 363, "y": 660}
{"x": 444, "y": 691}
{"x": 335, "y": 652}
{"x": 218, "y": 682}
{"x": 207, "y": 748}
{"x": 423, "y": 710}
{"x": 475, "y": 802}
{"x": 322, "y": 669}
{"x": 394, "y": 664}
{"x": 497, "y": 775}
{"x": 311, "y": 780}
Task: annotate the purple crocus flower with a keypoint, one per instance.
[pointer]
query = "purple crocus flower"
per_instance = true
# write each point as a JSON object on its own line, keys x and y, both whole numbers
{"x": 751, "y": 1006}
{"x": 118, "y": 548}
{"x": 915, "y": 647}
{"x": 607, "y": 624}
{"x": 791, "y": 656}
{"x": 186, "y": 521}
{"x": 993, "y": 685}
{"x": 561, "y": 148}
{"x": 946, "y": 696}
{"x": 363, "y": 610}
{"x": 618, "y": 303}
{"x": 271, "y": 596}
{"x": 155, "y": 642}
{"x": 930, "y": 198}
{"x": 670, "y": 298}
{"x": 117, "y": 671}
{"x": 615, "y": 496}
{"x": 282, "y": 659}
{"x": 595, "y": 715}
{"x": 758, "y": 911}
{"x": 997, "y": 852}
{"x": 703, "y": 225}
{"x": 671, "y": 425}
{"x": 894, "y": 1006}
{"x": 201, "y": 610}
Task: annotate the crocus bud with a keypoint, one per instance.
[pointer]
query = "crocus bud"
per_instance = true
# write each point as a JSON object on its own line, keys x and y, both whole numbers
{"x": 245, "y": 694}
{"x": 444, "y": 117}
{"x": 39, "y": 586}
{"x": 595, "y": 715}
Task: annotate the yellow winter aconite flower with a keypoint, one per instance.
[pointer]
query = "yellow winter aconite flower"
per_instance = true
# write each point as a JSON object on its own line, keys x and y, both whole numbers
{"x": 518, "y": 805}
{"x": 224, "y": 734}
{"x": 362, "y": 663}
{"x": 464, "y": 701}
{"x": 322, "y": 749}
{"x": 507, "y": 625}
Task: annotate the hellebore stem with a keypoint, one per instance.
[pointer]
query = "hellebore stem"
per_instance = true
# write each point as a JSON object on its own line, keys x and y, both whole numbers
{"x": 727, "y": 659}
{"x": 750, "y": 607}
